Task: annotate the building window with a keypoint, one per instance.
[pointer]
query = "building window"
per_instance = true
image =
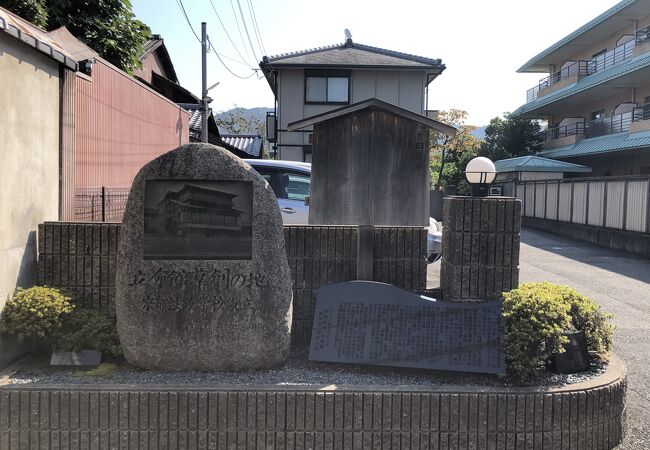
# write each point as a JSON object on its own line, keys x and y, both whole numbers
{"x": 327, "y": 87}
{"x": 600, "y": 114}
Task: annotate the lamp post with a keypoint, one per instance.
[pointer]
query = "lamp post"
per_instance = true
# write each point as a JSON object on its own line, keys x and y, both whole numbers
{"x": 480, "y": 173}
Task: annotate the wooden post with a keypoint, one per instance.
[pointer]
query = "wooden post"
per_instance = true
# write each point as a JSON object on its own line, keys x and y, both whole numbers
{"x": 365, "y": 252}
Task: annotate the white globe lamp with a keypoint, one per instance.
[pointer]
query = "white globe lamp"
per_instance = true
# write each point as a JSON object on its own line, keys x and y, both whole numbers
{"x": 480, "y": 173}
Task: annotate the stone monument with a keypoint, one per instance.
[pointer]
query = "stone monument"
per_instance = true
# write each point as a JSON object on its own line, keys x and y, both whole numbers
{"x": 203, "y": 281}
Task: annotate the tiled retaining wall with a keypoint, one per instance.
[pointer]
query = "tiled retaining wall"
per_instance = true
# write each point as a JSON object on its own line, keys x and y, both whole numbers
{"x": 256, "y": 417}
{"x": 81, "y": 258}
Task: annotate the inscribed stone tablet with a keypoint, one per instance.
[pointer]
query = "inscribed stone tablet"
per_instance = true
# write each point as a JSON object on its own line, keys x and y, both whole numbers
{"x": 375, "y": 323}
{"x": 202, "y": 275}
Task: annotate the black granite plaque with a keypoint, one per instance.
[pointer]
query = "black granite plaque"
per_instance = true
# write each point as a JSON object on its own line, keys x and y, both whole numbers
{"x": 366, "y": 322}
{"x": 195, "y": 219}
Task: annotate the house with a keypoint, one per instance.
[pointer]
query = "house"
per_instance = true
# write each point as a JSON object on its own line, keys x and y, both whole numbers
{"x": 310, "y": 82}
{"x": 251, "y": 144}
{"x": 595, "y": 95}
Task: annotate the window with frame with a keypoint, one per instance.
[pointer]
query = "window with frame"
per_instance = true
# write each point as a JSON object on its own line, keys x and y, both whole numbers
{"x": 327, "y": 88}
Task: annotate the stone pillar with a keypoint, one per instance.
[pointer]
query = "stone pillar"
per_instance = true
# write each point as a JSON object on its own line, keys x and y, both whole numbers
{"x": 480, "y": 247}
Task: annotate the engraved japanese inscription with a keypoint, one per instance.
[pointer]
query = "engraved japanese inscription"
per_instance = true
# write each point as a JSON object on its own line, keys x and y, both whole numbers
{"x": 374, "y": 323}
{"x": 197, "y": 219}
{"x": 202, "y": 279}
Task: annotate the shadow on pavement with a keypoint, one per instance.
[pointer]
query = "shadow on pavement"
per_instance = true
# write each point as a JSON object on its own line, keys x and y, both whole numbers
{"x": 612, "y": 260}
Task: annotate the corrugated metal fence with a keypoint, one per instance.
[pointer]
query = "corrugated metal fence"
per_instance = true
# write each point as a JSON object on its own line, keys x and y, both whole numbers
{"x": 612, "y": 202}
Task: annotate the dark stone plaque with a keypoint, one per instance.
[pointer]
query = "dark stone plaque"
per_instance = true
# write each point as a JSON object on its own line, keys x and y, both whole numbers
{"x": 197, "y": 219}
{"x": 366, "y": 322}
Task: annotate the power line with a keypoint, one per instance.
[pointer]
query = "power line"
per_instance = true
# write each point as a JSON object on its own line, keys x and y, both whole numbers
{"x": 224, "y": 64}
{"x": 180, "y": 3}
{"x": 227, "y": 34}
{"x": 241, "y": 36}
{"x": 256, "y": 27}
{"x": 241, "y": 13}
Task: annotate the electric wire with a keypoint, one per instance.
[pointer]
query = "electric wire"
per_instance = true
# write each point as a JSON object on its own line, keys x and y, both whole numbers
{"x": 241, "y": 13}
{"x": 180, "y": 3}
{"x": 224, "y": 64}
{"x": 256, "y": 28}
{"x": 241, "y": 36}
{"x": 227, "y": 34}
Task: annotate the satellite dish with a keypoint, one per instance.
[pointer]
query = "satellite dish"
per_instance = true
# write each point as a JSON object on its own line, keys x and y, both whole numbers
{"x": 348, "y": 35}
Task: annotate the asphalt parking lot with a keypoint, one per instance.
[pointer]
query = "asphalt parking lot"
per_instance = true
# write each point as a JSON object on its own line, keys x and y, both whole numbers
{"x": 621, "y": 284}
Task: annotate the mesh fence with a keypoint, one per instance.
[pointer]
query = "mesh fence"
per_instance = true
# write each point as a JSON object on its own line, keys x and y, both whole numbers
{"x": 103, "y": 204}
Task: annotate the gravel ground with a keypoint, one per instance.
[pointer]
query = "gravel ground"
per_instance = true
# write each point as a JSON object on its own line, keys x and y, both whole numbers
{"x": 298, "y": 371}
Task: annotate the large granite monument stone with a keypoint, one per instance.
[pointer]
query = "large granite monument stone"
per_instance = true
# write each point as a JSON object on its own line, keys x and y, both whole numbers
{"x": 202, "y": 276}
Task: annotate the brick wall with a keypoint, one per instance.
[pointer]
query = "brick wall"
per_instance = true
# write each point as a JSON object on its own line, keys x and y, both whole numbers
{"x": 81, "y": 258}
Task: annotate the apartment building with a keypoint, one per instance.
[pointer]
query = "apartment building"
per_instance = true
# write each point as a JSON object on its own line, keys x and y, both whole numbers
{"x": 310, "y": 82}
{"x": 595, "y": 95}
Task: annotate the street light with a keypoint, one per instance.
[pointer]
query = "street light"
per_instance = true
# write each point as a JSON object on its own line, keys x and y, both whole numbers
{"x": 480, "y": 173}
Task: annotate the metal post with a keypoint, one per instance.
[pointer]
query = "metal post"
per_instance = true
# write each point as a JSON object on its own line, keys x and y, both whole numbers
{"x": 204, "y": 83}
{"x": 103, "y": 203}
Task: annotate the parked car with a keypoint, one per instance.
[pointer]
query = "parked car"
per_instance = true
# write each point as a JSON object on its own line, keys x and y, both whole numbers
{"x": 290, "y": 180}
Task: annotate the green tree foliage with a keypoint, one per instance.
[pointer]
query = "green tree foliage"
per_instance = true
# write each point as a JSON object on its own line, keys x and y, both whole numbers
{"x": 509, "y": 137}
{"x": 450, "y": 154}
{"x": 107, "y": 26}
{"x": 237, "y": 122}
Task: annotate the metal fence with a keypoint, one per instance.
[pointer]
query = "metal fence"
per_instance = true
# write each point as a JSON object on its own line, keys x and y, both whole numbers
{"x": 612, "y": 202}
{"x": 103, "y": 204}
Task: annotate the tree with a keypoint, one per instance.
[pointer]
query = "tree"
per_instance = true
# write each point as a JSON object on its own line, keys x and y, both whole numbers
{"x": 236, "y": 122}
{"x": 509, "y": 137}
{"x": 450, "y": 154}
{"x": 107, "y": 26}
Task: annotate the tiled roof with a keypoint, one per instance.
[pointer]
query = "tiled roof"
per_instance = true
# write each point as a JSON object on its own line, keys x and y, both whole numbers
{"x": 602, "y": 144}
{"x": 537, "y": 164}
{"x": 588, "y": 82}
{"x": 249, "y": 143}
{"x": 34, "y": 36}
{"x": 589, "y": 25}
{"x": 352, "y": 54}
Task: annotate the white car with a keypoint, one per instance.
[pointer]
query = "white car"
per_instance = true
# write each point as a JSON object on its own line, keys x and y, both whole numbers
{"x": 290, "y": 181}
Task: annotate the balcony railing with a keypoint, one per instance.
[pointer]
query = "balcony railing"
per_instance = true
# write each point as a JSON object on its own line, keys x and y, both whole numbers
{"x": 568, "y": 130}
{"x": 643, "y": 35}
{"x": 599, "y": 63}
{"x": 617, "y": 123}
{"x": 609, "y": 125}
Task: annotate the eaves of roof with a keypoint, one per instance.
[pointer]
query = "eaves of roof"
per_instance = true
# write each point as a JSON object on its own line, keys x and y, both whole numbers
{"x": 533, "y": 163}
{"x": 376, "y": 104}
{"x": 570, "y": 37}
{"x": 35, "y": 37}
{"x": 588, "y": 82}
{"x": 602, "y": 144}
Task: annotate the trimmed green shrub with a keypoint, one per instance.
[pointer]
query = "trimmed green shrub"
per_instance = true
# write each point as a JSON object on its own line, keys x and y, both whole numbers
{"x": 535, "y": 316}
{"x": 35, "y": 312}
{"x": 87, "y": 329}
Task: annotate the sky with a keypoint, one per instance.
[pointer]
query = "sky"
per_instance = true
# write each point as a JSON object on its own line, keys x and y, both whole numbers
{"x": 482, "y": 43}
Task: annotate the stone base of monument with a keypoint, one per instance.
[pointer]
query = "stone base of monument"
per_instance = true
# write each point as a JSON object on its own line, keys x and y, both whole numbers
{"x": 584, "y": 415}
{"x": 82, "y": 358}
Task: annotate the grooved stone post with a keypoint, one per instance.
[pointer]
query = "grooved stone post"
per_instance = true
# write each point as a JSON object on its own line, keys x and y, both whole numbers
{"x": 480, "y": 247}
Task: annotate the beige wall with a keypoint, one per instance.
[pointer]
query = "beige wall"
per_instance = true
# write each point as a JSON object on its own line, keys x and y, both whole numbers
{"x": 29, "y": 148}
{"x": 404, "y": 88}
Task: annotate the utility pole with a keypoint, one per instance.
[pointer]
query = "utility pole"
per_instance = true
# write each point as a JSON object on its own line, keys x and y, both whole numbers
{"x": 204, "y": 83}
